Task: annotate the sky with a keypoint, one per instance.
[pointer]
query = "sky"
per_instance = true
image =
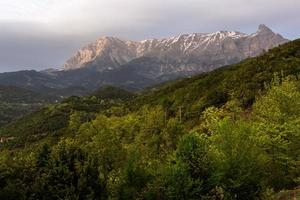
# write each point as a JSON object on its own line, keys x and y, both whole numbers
{"x": 41, "y": 34}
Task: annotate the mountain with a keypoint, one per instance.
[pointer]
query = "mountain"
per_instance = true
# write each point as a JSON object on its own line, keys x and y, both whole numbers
{"x": 134, "y": 65}
{"x": 183, "y": 54}
{"x": 139, "y": 64}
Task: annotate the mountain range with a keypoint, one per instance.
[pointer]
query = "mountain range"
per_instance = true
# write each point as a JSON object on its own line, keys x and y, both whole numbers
{"x": 135, "y": 65}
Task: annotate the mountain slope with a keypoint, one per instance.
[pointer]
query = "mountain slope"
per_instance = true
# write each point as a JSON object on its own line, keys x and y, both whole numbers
{"x": 240, "y": 81}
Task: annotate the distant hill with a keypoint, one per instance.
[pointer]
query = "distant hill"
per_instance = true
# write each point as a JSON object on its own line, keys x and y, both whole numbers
{"x": 43, "y": 82}
{"x": 110, "y": 92}
{"x": 16, "y": 102}
{"x": 12, "y": 94}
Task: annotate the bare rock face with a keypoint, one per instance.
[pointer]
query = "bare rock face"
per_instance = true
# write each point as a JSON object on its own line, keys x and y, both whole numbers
{"x": 185, "y": 54}
{"x": 106, "y": 52}
{"x": 263, "y": 39}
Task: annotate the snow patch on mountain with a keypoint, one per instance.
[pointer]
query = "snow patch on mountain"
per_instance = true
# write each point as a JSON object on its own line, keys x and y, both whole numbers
{"x": 190, "y": 52}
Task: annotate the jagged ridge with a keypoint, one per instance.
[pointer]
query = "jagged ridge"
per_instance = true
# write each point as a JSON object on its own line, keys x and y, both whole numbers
{"x": 187, "y": 53}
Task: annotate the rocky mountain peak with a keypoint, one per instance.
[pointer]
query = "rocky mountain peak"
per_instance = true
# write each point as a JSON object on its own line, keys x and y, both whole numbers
{"x": 193, "y": 52}
{"x": 264, "y": 28}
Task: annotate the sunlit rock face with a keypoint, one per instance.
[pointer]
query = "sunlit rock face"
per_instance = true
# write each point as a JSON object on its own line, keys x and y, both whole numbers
{"x": 185, "y": 54}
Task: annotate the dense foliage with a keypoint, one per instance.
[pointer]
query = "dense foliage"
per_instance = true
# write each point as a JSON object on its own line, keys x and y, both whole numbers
{"x": 198, "y": 138}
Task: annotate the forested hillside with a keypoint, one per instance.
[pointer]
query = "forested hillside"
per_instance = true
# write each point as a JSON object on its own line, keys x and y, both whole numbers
{"x": 233, "y": 133}
{"x": 54, "y": 119}
{"x": 16, "y": 102}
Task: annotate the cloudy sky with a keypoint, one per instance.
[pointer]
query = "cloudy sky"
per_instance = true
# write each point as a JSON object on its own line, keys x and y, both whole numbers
{"x": 39, "y": 34}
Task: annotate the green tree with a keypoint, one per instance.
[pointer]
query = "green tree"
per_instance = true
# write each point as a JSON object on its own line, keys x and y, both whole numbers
{"x": 277, "y": 115}
{"x": 237, "y": 159}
